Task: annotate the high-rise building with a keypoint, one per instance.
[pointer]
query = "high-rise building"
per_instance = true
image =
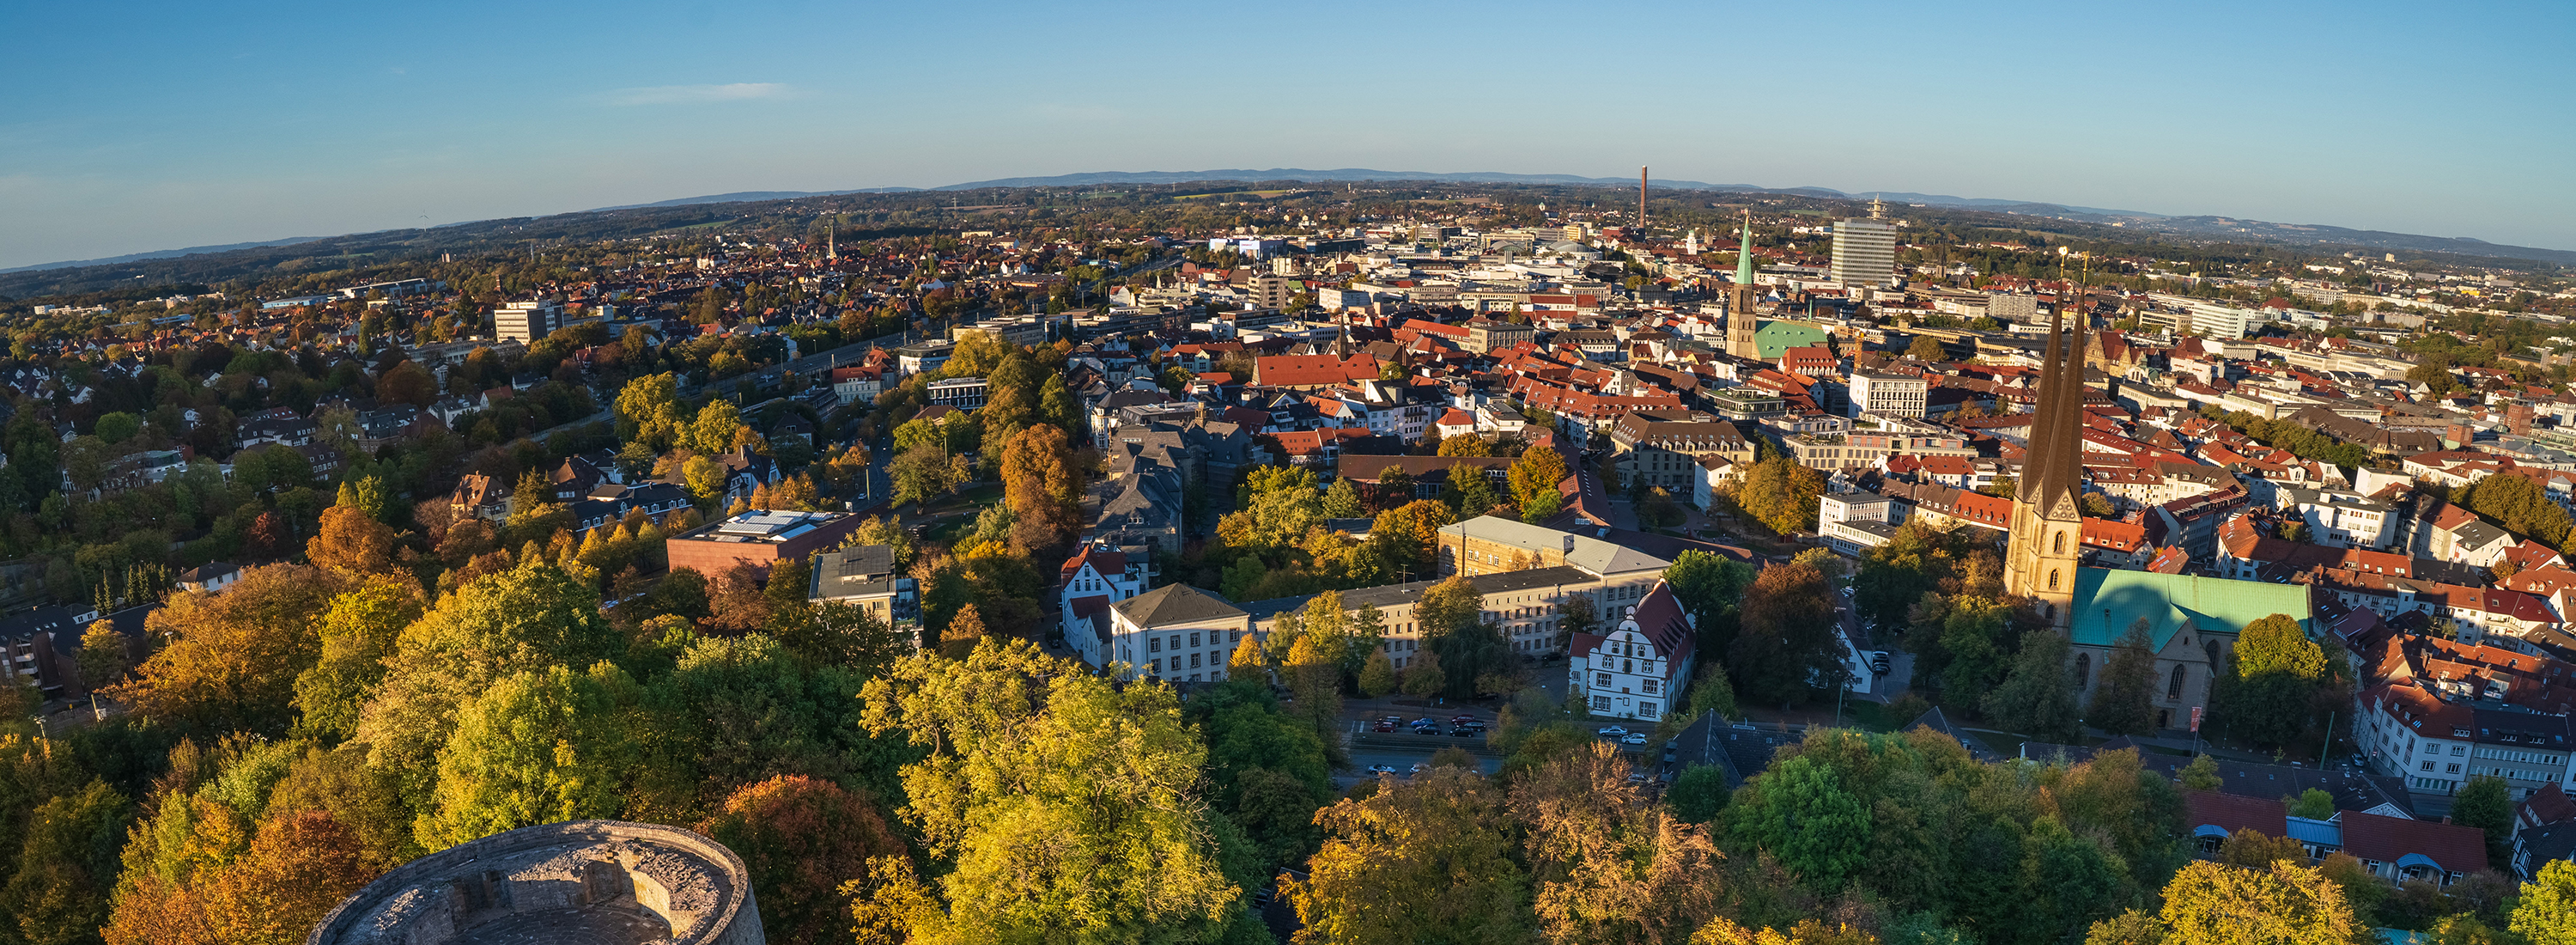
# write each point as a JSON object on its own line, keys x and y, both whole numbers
{"x": 1865, "y": 250}
{"x": 529, "y": 322}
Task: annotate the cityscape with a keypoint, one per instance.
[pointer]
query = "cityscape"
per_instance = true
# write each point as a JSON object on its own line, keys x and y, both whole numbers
{"x": 1549, "y": 554}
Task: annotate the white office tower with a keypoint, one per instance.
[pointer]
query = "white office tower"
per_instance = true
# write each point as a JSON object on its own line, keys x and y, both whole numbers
{"x": 528, "y": 322}
{"x": 1865, "y": 250}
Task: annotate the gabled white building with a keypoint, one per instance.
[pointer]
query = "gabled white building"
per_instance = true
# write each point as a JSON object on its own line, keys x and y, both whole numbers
{"x": 1637, "y": 670}
{"x": 1094, "y": 579}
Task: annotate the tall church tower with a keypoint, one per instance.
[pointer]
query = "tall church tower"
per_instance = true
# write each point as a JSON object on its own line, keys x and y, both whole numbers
{"x": 2047, "y": 523}
{"x": 1739, "y": 303}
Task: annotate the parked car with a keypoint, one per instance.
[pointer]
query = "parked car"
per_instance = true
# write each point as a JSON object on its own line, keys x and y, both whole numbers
{"x": 1383, "y": 727}
{"x": 1382, "y": 769}
{"x": 1434, "y": 723}
{"x": 1421, "y": 766}
{"x": 1635, "y": 738}
{"x": 1465, "y": 732}
{"x": 1613, "y": 731}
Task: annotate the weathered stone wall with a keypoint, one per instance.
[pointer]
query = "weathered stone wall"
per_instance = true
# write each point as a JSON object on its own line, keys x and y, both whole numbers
{"x": 608, "y": 880}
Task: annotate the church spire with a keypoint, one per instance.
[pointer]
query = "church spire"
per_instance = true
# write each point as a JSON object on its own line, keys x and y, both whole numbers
{"x": 2046, "y": 546}
{"x": 1744, "y": 256}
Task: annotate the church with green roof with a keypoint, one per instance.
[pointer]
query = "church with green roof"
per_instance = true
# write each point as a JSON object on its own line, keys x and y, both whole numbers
{"x": 2190, "y": 622}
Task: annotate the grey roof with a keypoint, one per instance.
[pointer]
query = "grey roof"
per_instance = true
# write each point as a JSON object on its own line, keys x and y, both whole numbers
{"x": 1175, "y": 603}
{"x": 1590, "y": 554}
{"x": 1386, "y": 595}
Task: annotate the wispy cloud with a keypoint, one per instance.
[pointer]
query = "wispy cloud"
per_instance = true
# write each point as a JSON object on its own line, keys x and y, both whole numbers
{"x": 691, "y": 94}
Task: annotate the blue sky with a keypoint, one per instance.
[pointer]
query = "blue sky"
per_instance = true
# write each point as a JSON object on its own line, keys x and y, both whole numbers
{"x": 142, "y": 126}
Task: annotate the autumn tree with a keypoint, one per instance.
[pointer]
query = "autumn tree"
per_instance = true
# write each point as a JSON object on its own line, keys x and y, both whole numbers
{"x": 1606, "y": 866}
{"x": 1041, "y": 488}
{"x": 963, "y": 632}
{"x": 230, "y": 660}
{"x": 802, "y": 839}
{"x": 2211, "y": 904}
{"x": 1536, "y": 477}
{"x": 1429, "y": 860}
{"x": 102, "y": 655}
{"x": 1063, "y": 799}
{"x": 1782, "y": 494}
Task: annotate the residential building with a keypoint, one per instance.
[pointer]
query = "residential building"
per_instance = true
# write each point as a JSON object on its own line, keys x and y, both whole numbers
{"x": 1637, "y": 669}
{"x": 1097, "y": 576}
{"x": 864, "y": 576}
{"x": 1663, "y": 448}
{"x": 1177, "y": 633}
{"x": 1487, "y": 544}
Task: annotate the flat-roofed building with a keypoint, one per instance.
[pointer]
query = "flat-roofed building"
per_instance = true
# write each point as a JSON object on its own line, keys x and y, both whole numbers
{"x": 760, "y": 538}
{"x": 863, "y": 576}
{"x": 1895, "y": 395}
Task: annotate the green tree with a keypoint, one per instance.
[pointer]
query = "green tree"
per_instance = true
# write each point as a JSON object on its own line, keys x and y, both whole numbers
{"x": 1064, "y": 801}
{"x": 2546, "y": 913}
{"x": 2487, "y": 804}
{"x": 1799, "y": 813}
{"x": 2036, "y": 698}
{"x": 1710, "y": 588}
{"x": 2123, "y": 700}
{"x": 2314, "y": 804}
{"x": 66, "y": 866}
{"x": 2277, "y": 673}
{"x": 358, "y": 633}
{"x": 1785, "y": 646}
{"x": 1378, "y": 678}
{"x": 523, "y": 620}
{"x": 2210, "y": 904}
{"x": 537, "y": 748}
{"x": 1343, "y": 501}
{"x": 1699, "y": 794}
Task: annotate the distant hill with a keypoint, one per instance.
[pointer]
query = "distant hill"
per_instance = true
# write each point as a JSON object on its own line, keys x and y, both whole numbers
{"x": 161, "y": 254}
{"x": 359, "y": 252}
{"x": 748, "y": 196}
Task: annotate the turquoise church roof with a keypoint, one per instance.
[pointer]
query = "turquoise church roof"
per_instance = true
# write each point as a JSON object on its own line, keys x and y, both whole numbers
{"x": 2107, "y": 602}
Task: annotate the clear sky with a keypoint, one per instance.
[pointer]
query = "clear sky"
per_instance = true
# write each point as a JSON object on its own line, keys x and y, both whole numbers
{"x": 128, "y": 127}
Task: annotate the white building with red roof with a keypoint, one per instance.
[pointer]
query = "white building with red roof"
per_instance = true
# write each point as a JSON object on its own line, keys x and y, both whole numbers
{"x": 1094, "y": 579}
{"x": 1636, "y": 670}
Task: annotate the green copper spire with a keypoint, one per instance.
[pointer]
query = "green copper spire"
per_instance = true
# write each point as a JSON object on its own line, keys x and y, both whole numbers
{"x": 1744, "y": 257}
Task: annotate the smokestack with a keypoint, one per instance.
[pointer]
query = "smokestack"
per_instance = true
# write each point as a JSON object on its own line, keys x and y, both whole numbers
{"x": 1641, "y": 200}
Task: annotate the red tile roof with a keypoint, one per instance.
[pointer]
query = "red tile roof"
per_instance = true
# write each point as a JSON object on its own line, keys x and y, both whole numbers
{"x": 2229, "y": 812}
{"x": 2391, "y": 839}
